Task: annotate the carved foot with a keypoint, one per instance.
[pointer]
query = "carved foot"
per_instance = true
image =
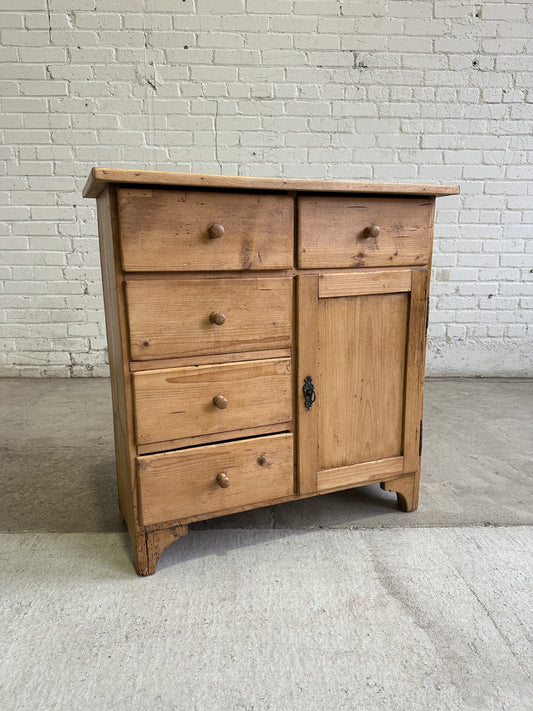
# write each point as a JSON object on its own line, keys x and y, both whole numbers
{"x": 406, "y": 488}
{"x": 150, "y": 545}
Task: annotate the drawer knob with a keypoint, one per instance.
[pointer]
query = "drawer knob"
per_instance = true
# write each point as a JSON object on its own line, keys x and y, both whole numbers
{"x": 220, "y": 401}
{"x": 222, "y": 480}
{"x": 215, "y": 231}
{"x": 372, "y": 231}
{"x": 217, "y": 318}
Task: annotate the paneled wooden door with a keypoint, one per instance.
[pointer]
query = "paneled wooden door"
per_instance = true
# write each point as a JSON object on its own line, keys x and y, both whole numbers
{"x": 362, "y": 344}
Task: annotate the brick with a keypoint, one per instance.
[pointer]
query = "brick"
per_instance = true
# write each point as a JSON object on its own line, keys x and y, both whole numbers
{"x": 423, "y": 60}
{"x": 378, "y": 26}
{"x": 316, "y": 41}
{"x": 284, "y": 58}
{"x": 362, "y": 8}
{"x": 237, "y": 56}
{"x": 22, "y": 71}
{"x": 245, "y": 23}
{"x": 221, "y": 39}
{"x": 477, "y": 260}
{"x": 400, "y": 173}
{"x": 314, "y": 7}
{"x": 261, "y": 74}
{"x": 370, "y": 125}
{"x": 411, "y": 44}
{"x": 25, "y": 38}
{"x": 516, "y": 260}
{"x": 23, "y": 5}
{"x": 507, "y": 11}
{"x": 229, "y": 7}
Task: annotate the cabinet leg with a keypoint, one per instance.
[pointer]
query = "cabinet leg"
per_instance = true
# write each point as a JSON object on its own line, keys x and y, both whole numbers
{"x": 406, "y": 488}
{"x": 150, "y": 544}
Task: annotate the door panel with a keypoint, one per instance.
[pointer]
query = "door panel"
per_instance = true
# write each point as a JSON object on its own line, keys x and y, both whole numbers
{"x": 360, "y": 378}
{"x": 362, "y": 342}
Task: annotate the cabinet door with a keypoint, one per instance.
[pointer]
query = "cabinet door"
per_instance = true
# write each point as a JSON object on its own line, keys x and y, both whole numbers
{"x": 361, "y": 348}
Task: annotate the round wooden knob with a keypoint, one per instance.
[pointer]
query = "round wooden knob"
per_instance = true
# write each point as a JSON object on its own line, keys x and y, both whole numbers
{"x": 372, "y": 231}
{"x": 215, "y": 231}
{"x": 222, "y": 480}
{"x": 217, "y": 318}
{"x": 220, "y": 401}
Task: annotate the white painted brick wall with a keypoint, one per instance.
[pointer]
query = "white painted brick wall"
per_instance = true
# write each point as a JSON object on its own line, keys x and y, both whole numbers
{"x": 402, "y": 90}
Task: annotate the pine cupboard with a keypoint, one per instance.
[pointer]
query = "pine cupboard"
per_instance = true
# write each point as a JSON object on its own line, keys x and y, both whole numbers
{"x": 266, "y": 341}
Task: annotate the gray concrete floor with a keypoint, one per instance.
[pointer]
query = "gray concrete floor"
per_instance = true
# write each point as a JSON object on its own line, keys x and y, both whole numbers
{"x": 376, "y": 610}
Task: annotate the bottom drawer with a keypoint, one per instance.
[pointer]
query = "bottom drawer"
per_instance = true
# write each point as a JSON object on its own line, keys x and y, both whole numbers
{"x": 210, "y": 479}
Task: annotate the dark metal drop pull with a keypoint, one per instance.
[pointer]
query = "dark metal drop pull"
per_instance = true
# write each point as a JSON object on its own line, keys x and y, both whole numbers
{"x": 309, "y": 392}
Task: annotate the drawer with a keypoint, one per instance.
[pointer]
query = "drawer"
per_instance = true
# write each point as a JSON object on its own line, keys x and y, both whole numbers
{"x": 171, "y": 318}
{"x": 336, "y": 231}
{"x": 171, "y": 230}
{"x": 190, "y": 402}
{"x": 208, "y": 480}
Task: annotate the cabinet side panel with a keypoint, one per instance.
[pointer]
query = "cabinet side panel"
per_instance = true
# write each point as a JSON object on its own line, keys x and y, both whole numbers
{"x": 431, "y": 231}
{"x": 118, "y": 355}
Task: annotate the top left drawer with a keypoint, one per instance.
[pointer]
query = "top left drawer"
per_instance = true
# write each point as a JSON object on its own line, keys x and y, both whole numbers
{"x": 185, "y": 230}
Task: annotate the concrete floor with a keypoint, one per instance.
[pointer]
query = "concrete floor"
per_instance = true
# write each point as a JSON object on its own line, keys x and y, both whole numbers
{"x": 428, "y": 610}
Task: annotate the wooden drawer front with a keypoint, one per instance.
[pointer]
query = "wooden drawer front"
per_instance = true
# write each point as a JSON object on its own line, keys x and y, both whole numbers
{"x": 171, "y": 317}
{"x": 334, "y": 231}
{"x": 168, "y": 230}
{"x": 191, "y": 402}
{"x": 177, "y": 485}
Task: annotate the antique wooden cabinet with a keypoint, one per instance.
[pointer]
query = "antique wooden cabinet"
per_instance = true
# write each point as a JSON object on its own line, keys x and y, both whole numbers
{"x": 266, "y": 341}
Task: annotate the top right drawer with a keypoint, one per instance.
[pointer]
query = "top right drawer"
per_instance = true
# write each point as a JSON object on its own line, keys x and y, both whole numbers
{"x": 364, "y": 231}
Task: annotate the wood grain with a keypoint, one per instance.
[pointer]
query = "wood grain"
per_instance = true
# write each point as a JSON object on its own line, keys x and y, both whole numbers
{"x": 361, "y": 342}
{"x": 416, "y": 352}
{"x": 157, "y": 447}
{"x": 170, "y": 318}
{"x": 117, "y": 339}
{"x": 183, "y": 483}
{"x": 117, "y": 343}
{"x": 356, "y": 284}
{"x": 209, "y": 359}
{"x": 357, "y": 474}
{"x": 359, "y": 333}
{"x": 185, "y": 520}
{"x": 307, "y": 345}
{"x": 100, "y": 177}
{"x": 406, "y": 488}
{"x": 156, "y": 542}
{"x": 179, "y": 402}
{"x": 332, "y": 231}
{"x": 167, "y": 230}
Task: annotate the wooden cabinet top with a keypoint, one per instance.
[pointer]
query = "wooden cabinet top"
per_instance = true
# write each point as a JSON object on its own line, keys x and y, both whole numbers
{"x": 100, "y": 177}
